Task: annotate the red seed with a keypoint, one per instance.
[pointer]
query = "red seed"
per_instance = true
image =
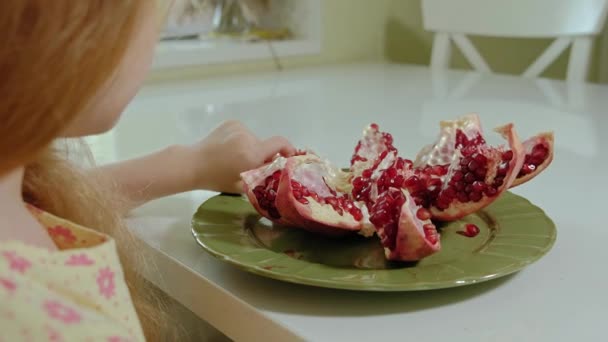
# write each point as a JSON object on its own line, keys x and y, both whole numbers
{"x": 366, "y": 173}
{"x": 473, "y": 165}
{"x": 475, "y": 196}
{"x": 295, "y": 185}
{"x": 430, "y": 233}
{"x": 469, "y": 177}
{"x": 481, "y": 173}
{"x": 478, "y": 186}
{"x": 471, "y": 229}
{"x": 502, "y": 169}
{"x": 449, "y": 193}
{"x": 468, "y": 150}
{"x": 458, "y": 175}
{"x": 374, "y": 126}
{"x": 507, "y": 155}
{"x": 462, "y": 197}
{"x": 490, "y": 191}
{"x": 423, "y": 214}
{"x": 391, "y": 172}
{"x": 498, "y": 182}
{"x": 303, "y": 200}
{"x": 297, "y": 194}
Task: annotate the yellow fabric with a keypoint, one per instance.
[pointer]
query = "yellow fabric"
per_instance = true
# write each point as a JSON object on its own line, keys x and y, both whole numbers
{"x": 75, "y": 294}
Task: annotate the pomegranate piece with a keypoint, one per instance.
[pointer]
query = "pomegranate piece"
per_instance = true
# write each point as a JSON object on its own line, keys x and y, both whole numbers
{"x": 261, "y": 187}
{"x": 539, "y": 154}
{"x": 478, "y": 175}
{"x": 475, "y": 173}
{"x": 404, "y": 228}
{"x": 313, "y": 195}
{"x": 370, "y": 148}
{"x": 452, "y": 133}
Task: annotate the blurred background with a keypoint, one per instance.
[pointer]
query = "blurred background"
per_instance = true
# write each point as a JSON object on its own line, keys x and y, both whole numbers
{"x": 216, "y": 37}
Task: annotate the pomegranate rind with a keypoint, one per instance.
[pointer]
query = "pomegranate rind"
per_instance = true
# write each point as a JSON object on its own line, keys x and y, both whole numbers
{"x": 369, "y": 148}
{"x": 458, "y": 209}
{"x": 255, "y": 177}
{"x": 411, "y": 242}
{"x": 546, "y": 139}
{"x": 442, "y": 151}
{"x": 314, "y": 217}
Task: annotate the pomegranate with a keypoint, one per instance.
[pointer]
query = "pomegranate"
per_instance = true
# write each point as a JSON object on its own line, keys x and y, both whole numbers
{"x": 372, "y": 145}
{"x": 476, "y": 174}
{"x": 261, "y": 187}
{"x": 306, "y": 192}
{"x": 394, "y": 197}
{"x": 539, "y": 154}
{"x": 404, "y": 228}
{"x": 316, "y": 196}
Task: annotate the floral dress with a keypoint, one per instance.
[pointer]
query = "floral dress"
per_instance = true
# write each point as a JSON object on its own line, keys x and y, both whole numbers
{"x": 75, "y": 294}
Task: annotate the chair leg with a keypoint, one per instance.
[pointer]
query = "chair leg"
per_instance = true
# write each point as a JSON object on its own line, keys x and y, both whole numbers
{"x": 578, "y": 66}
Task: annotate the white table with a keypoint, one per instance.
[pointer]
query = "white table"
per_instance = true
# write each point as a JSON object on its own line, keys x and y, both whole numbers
{"x": 562, "y": 297}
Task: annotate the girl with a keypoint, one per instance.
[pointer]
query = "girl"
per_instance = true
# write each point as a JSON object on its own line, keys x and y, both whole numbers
{"x": 68, "y": 69}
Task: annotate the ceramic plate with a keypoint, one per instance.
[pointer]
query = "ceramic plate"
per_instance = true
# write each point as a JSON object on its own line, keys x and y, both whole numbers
{"x": 513, "y": 234}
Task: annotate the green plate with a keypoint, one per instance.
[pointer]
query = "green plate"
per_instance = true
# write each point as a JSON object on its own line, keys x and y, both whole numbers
{"x": 513, "y": 234}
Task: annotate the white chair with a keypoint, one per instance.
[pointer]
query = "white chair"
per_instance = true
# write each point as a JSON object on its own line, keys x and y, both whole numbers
{"x": 570, "y": 22}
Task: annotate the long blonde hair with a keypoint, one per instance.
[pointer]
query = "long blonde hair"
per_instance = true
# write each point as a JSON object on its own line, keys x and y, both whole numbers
{"x": 54, "y": 57}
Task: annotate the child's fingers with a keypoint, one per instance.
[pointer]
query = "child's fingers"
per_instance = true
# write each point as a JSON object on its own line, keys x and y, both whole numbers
{"x": 274, "y": 145}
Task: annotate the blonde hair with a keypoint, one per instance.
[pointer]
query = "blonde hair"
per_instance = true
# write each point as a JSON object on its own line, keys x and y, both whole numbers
{"x": 55, "y": 56}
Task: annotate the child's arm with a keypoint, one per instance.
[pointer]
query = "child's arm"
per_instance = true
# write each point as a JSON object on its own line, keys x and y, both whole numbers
{"x": 213, "y": 164}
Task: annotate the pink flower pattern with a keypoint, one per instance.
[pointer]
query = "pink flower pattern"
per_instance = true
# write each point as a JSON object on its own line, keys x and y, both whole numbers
{"x": 61, "y": 312}
{"x": 62, "y": 232}
{"x": 79, "y": 260}
{"x": 16, "y": 263}
{"x": 105, "y": 282}
{"x": 118, "y": 339}
{"x": 8, "y": 284}
{"x": 54, "y": 335}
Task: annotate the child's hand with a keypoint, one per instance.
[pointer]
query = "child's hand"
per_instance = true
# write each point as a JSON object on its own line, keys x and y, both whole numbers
{"x": 229, "y": 150}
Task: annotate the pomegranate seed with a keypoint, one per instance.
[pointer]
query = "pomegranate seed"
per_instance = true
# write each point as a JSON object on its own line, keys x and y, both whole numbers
{"x": 458, "y": 175}
{"x": 507, "y": 155}
{"x": 481, "y": 173}
{"x": 478, "y": 186}
{"x": 411, "y": 182}
{"x": 490, "y": 191}
{"x": 434, "y": 182}
{"x": 528, "y": 168}
{"x": 449, "y": 193}
{"x": 462, "y": 197}
{"x": 400, "y": 163}
{"x": 357, "y": 214}
{"x": 303, "y": 200}
{"x": 392, "y": 172}
{"x": 459, "y": 186}
{"x": 468, "y": 150}
{"x": 423, "y": 214}
{"x": 470, "y": 230}
{"x": 502, "y": 169}
{"x": 296, "y": 185}
{"x": 374, "y": 126}
{"x": 430, "y": 233}
{"x": 475, "y": 196}
{"x": 473, "y": 165}
{"x": 398, "y": 181}
{"x": 297, "y": 194}
{"x": 498, "y": 182}
{"x": 469, "y": 177}
{"x": 367, "y": 173}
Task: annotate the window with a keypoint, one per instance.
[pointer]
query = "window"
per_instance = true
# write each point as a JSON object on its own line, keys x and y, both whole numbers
{"x": 217, "y": 31}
